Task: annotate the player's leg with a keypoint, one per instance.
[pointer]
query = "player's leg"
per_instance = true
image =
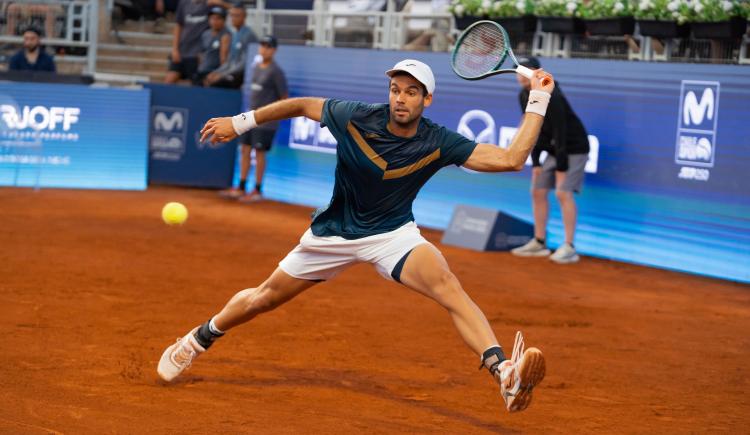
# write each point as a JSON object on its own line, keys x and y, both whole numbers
{"x": 565, "y": 188}
{"x": 542, "y": 180}
{"x": 426, "y": 271}
{"x": 313, "y": 260}
{"x": 279, "y": 288}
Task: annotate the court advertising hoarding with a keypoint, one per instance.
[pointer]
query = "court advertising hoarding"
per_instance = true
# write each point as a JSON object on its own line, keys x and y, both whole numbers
{"x": 176, "y": 154}
{"x": 666, "y": 182}
{"x": 57, "y": 135}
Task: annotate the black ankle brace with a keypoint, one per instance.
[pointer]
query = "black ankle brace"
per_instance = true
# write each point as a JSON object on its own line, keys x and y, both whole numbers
{"x": 204, "y": 336}
{"x": 491, "y": 358}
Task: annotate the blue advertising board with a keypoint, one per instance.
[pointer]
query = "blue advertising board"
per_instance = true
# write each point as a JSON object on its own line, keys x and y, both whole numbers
{"x": 667, "y": 181}
{"x": 177, "y": 156}
{"x": 55, "y": 135}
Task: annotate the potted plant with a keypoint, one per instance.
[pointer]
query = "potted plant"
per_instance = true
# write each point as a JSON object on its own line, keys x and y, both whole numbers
{"x": 609, "y": 17}
{"x": 467, "y": 12}
{"x": 718, "y": 19}
{"x": 663, "y": 18}
{"x": 560, "y": 16}
{"x": 516, "y": 16}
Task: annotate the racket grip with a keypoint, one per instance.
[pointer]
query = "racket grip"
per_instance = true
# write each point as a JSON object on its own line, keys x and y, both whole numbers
{"x": 526, "y": 72}
{"x": 529, "y": 73}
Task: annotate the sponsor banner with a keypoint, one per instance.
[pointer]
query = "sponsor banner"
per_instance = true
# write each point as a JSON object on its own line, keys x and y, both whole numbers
{"x": 177, "y": 156}
{"x": 697, "y": 124}
{"x": 54, "y": 135}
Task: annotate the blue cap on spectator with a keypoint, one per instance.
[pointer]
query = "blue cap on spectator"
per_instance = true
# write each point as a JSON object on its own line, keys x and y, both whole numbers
{"x": 269, "y": 41}
{"x": 217, "y": 10}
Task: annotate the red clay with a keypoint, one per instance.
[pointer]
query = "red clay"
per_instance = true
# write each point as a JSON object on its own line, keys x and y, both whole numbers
{"x": 93, "y": 286}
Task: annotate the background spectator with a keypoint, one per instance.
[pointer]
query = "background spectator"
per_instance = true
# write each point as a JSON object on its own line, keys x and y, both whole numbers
{"x": 32, "y": 56}
{"x": 215, "y": 44}
{"x": 565, "y": 140}
{"x": 232, "y": 72}
{"x": 268, "y": 85}
{"x": 192, "y": 21}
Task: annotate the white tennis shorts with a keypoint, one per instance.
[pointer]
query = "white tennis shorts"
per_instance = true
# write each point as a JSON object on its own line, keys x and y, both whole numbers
{"x": 322, "y": 258}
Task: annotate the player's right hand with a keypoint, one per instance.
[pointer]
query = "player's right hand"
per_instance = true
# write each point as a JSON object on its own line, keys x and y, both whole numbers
{"x": 537, "y": 81}
{"x": 219, "y": 130}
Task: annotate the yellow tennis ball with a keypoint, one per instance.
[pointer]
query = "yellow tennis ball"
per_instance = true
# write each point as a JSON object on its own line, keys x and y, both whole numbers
{"x": 174, "y": 213}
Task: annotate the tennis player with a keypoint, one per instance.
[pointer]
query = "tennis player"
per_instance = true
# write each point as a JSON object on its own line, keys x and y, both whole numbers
{"x": 385, "y": 154}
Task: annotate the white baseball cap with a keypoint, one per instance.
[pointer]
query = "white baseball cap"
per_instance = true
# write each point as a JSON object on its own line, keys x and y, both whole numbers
{"x": 418, "y": 70}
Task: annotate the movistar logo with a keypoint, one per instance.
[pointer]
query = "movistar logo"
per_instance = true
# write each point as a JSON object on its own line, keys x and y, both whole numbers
{"x": 694, "y": 112}
{"x": 169, "y": 123}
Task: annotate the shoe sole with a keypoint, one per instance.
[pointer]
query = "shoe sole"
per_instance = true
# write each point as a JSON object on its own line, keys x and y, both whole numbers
{"x": 542, "y": 253}
{"x": 532, "y": 373}
{"x": 568, "y": 260}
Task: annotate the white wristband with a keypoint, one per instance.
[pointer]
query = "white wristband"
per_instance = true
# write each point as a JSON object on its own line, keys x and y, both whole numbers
{"x": 538, "y": 102}
{"x": 244, "y": 122}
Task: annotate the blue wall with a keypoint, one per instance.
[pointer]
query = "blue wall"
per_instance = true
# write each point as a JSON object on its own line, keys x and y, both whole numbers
{"x": 54, "y": 135}
{"x": 668, "y": 191}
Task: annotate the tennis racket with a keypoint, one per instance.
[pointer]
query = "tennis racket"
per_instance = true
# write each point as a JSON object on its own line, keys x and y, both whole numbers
{"x": 481, "y": 50}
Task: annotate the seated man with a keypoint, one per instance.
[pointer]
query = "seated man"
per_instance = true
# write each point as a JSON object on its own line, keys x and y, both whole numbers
{"x": 32, "y": 56}
{"x": 214, "y": 43}
{"x": 232, "y": 72}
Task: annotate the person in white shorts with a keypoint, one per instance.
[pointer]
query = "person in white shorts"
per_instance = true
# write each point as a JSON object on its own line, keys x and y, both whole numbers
{"x": 385, "y": 154}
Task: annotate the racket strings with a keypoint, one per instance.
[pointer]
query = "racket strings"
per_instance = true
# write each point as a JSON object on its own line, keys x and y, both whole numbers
{"x": 480, "y": 51}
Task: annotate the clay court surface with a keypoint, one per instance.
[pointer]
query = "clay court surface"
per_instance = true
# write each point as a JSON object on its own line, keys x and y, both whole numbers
{"x": 93, "y": 286}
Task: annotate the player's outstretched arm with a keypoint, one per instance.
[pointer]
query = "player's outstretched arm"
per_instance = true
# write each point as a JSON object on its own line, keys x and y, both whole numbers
{"x": 228, "y": 128}
{"x": 492, "y": 158}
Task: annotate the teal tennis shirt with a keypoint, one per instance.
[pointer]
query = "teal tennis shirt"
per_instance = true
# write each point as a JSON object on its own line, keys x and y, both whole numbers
{"x": 378, "y": 174}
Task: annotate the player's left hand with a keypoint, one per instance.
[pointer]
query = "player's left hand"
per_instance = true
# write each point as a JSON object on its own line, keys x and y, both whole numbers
{"x": 219, "y": 130}
{"x": 538, "y": 82}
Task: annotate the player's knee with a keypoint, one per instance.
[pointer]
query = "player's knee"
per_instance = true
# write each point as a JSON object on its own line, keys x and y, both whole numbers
{"x": 446, "y": 288}
{"x": 539, "y": 194}
{"x": 266, "y": 298}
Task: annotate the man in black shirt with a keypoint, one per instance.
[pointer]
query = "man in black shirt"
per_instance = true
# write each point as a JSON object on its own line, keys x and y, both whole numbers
{"x": 32, "y": 56}
{"x": 565, "y": 140}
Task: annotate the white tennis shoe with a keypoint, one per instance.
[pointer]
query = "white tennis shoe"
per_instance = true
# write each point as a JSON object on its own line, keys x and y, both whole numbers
{"x": 520, "y": 374}
{"x": 531, "y": 249}
{"x": 565, "y": 254}
{"x": 179, "y": 356}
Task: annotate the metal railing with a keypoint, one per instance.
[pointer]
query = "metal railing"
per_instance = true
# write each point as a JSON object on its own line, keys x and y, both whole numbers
{"x": 64, "y": 23}
{"x": 325, "y": 26}
{"x": 329, "y": 28}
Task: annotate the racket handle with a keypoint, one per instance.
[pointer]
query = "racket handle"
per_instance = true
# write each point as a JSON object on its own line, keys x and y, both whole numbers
{"x": 529, "y": 73}
{"x": 526, "y": 72}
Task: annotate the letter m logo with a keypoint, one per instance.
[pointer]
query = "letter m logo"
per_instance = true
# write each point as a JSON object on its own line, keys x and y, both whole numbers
{"x": 699, "y": 105}
{"x": 169, "y": 120}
